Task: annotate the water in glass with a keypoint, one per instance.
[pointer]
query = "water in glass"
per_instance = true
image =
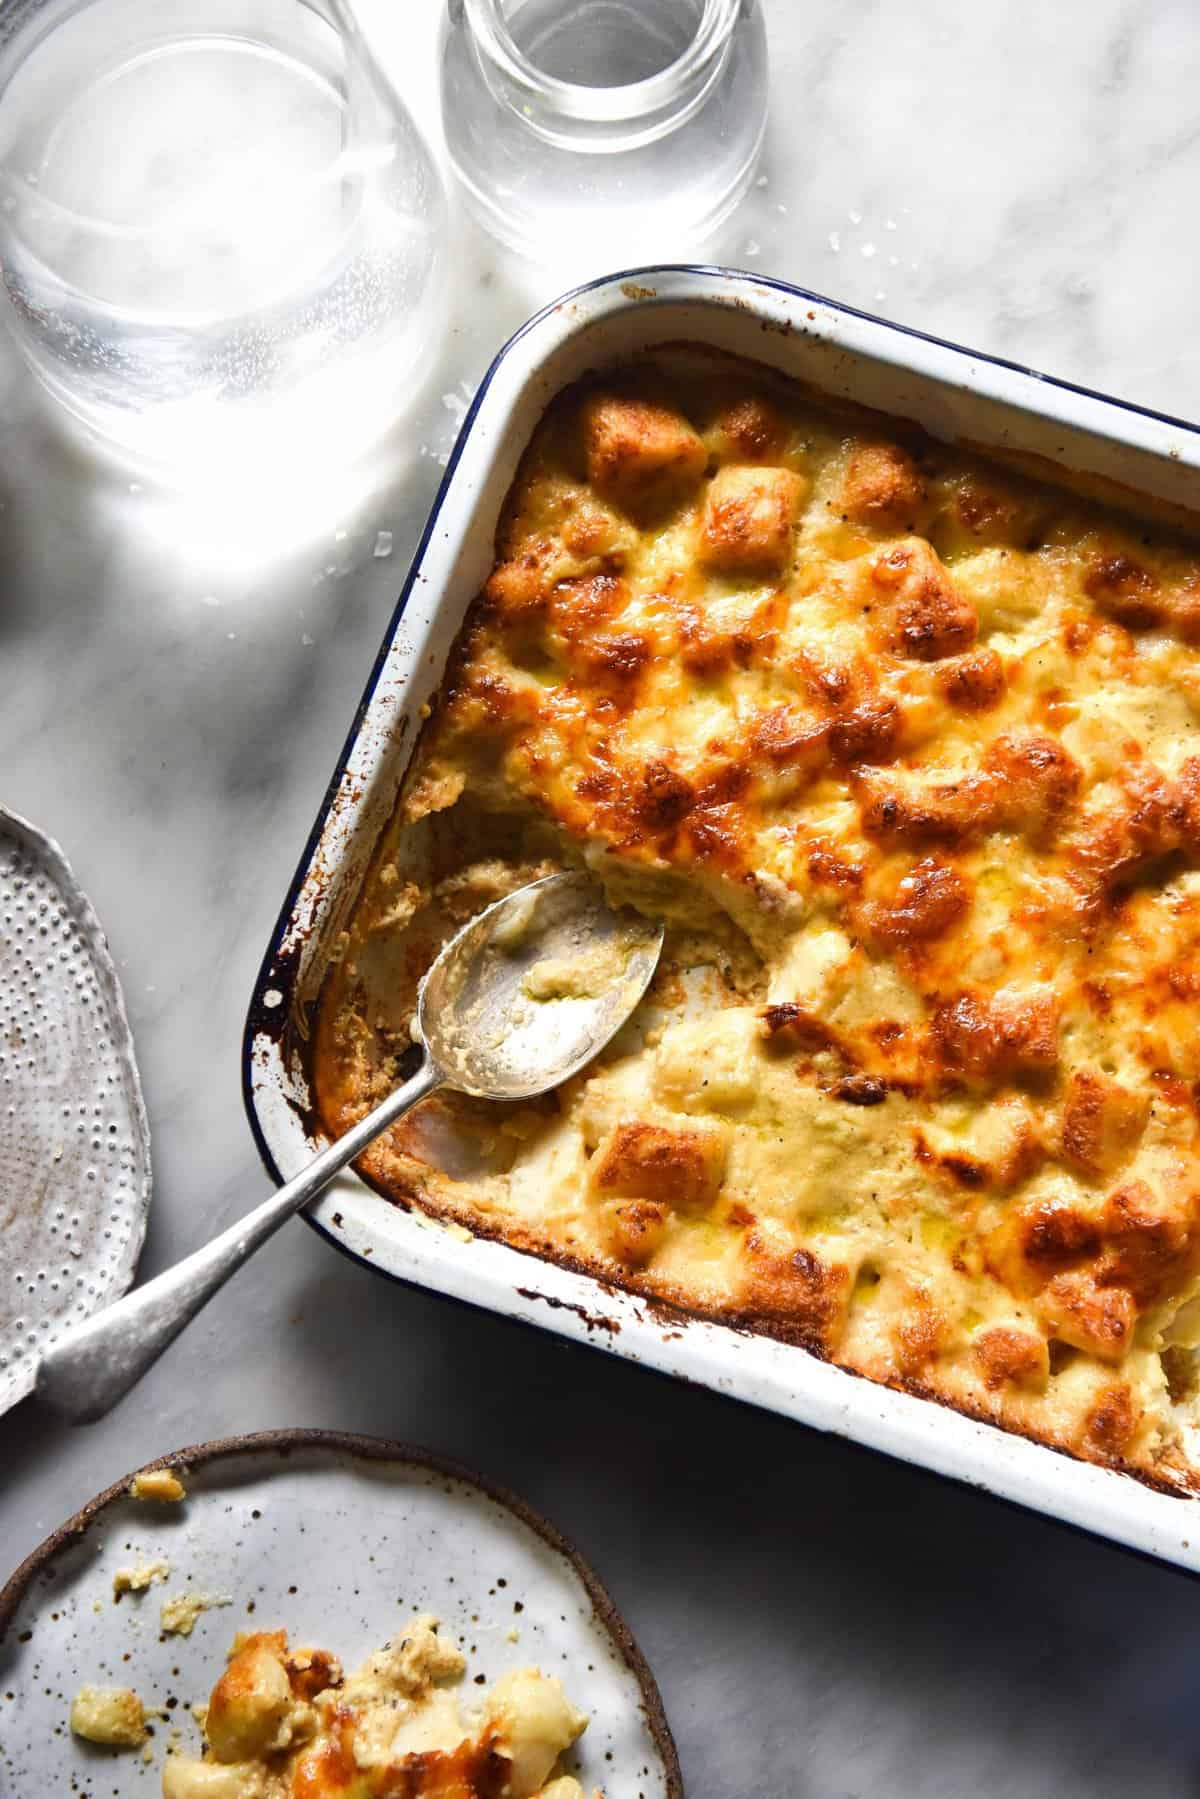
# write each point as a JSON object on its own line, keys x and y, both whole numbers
{"x": 219, "y": 228}
{"x": 607, "y": 131}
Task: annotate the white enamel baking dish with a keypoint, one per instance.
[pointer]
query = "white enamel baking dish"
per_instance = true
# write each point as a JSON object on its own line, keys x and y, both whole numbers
{"x": 956, "y": 395}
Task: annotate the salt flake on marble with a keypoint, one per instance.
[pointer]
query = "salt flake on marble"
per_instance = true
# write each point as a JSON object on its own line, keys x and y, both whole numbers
{"x": 835, "y": 240}
{"x": 752, "y": 247}
{"x": 383, "y": 543}
{"x": 855, "y": 218}
{"x": 761, "y": 182}
{"x": 867, "y": 250}
{"x": 306, "y": 640}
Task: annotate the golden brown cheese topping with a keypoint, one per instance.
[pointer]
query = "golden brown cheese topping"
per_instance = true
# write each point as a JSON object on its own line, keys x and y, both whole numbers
{"x": 906, "y": 749}
{"x": 112, "y": 1716}
{"x": 287, "y": 1724}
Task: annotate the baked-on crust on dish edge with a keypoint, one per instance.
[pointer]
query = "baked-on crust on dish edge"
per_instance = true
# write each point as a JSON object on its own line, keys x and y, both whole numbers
{"x": 906, "y": 749}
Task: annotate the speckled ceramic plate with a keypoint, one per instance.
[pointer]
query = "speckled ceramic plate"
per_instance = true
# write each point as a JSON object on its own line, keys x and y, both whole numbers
{"x": 339, "y": 1539}
{"x": 74, "y": 1142}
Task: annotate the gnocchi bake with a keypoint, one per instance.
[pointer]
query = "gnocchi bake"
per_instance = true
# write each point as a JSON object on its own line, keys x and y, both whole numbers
{"x": 905, "y": 748}
{"x": 285, "y": 1723}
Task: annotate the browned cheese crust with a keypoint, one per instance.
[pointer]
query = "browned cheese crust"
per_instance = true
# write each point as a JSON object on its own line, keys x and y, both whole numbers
{"x": 906, "y": 750}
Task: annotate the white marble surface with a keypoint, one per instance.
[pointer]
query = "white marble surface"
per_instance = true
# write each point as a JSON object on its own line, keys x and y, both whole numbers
{"x": 822, "y": 1622}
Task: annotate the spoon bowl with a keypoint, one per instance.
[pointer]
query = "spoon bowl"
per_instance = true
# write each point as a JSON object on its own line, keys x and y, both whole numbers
{"x": 534, "y": 987}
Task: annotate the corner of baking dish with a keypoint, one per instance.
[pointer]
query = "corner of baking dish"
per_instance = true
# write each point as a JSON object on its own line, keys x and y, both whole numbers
{"x": 954, "y": 392}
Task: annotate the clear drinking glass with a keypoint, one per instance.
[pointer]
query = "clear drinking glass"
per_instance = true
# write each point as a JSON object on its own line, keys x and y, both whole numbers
{"x": 221, "y": 234}
{"x": 615, "y": 131}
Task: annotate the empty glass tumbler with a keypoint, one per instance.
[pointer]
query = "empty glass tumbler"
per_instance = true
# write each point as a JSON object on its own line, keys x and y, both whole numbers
{"x": 605, "y": 132}
{"x": 221, "y": 234}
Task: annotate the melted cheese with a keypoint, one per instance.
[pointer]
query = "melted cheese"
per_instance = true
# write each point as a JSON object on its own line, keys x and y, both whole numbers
{"x": 906, "y": 750}
{"x": 285, "y": 1725}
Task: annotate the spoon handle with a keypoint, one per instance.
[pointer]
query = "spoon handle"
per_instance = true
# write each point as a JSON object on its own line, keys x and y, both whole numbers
{"x": 86, "y": 1372}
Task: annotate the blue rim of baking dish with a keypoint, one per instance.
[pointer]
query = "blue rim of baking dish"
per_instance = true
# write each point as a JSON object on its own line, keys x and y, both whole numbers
{"x": 261, "y": 1019}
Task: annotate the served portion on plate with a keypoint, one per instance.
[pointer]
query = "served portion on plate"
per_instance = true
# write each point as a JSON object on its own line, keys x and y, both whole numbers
{"x": 488, "y": 1662}
{"x": 287, "y": 1723}
{"x": 906, "y": 749}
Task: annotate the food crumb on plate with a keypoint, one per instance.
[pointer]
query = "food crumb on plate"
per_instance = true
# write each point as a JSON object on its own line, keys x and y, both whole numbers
{"x": 158, "y": 1483}
{"x": 113, "y": 1716}
{"x": 139, "y": 1577}
{"x": 179, "y": 1613}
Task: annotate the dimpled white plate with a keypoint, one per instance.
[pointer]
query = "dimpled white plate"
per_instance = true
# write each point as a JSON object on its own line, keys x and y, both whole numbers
{"x": 74, "y": 1142}
{"x": 340, "y": 1540}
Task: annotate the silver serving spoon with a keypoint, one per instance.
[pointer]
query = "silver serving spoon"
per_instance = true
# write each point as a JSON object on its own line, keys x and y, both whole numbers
{"x": 523, "y": 997}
